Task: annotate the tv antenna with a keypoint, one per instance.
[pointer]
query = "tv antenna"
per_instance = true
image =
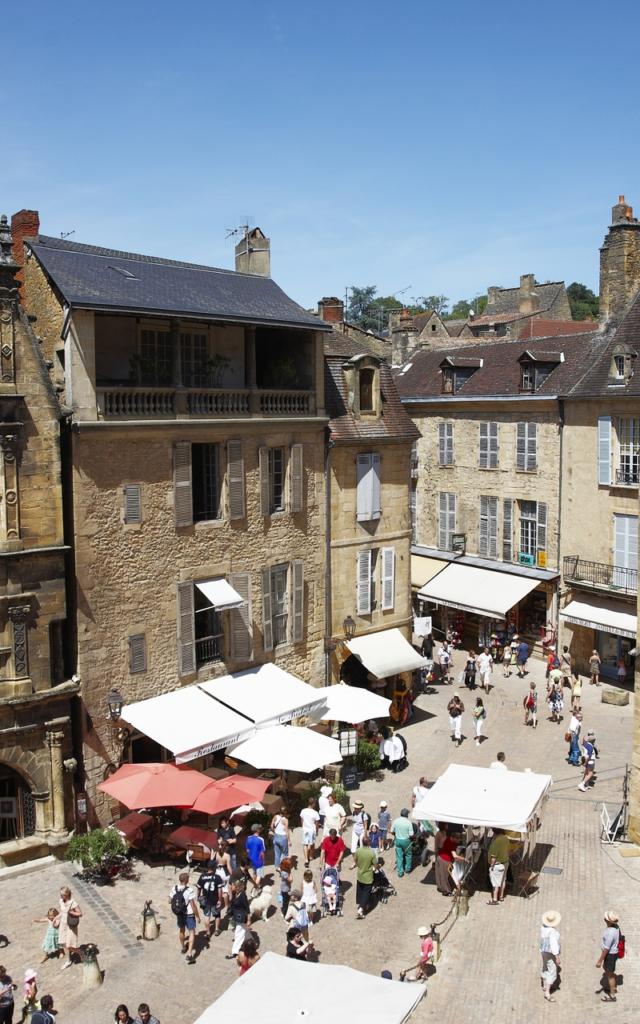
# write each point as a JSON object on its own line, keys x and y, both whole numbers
{"x": 67, "y": 234}
{"x": 242, "y": 229}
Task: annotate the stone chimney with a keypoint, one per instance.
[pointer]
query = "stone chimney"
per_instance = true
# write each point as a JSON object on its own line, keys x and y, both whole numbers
{"x": 331, "y": 309}
{"x": 24, "y": 224}
{"x": 492, "y": 297}
{"x": 619, "y": 262}
{"x": 404, "y": 339}
{"x": 253, "y": 253}
{"x": 527, "y": 299}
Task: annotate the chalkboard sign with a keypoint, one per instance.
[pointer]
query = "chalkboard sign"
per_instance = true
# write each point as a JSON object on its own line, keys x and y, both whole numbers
{"x": 350, "y": 778}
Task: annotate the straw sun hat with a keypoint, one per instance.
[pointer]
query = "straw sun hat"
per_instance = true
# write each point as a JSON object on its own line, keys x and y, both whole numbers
{"x": 551, "y": 919}
{"x": 423, "y": 931}
{"x": 611, "y": 917}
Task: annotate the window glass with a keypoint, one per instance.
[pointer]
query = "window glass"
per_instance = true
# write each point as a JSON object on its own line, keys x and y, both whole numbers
{"x": 208, "y": 630}
{"x": 279, "y": 604}
{"x": 276, "y": 478}
{"x": 528, "y": 527}
{"x": 205, "y": 481}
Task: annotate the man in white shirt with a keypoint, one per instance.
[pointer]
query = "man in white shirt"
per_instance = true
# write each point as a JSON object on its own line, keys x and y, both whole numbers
{"x": 419, "y": 792}
{"x": 310, "y": 820}
{"x": 444, "y": 659}
{"x": 499, "y": 763}
{"x": 184, "y": 905}
{"x": 485, "y": 665}
{"x": 335, "y": 816}
{"x": 323, "y": 803}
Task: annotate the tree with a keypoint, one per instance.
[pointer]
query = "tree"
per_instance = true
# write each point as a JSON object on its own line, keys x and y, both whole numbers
{"x": 462, "y": 308}
{"x": 359, "y": 309}
{"x": 438, "y": 303}
{"x": 585, "y": 305}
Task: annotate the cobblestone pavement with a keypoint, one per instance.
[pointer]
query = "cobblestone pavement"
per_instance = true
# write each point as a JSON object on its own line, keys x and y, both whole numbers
{"x": 489, "y": 964}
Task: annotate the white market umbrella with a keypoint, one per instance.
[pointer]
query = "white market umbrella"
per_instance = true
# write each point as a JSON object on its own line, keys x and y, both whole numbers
{"x": 287, "y": 748}
{"x": 353, "y": 704}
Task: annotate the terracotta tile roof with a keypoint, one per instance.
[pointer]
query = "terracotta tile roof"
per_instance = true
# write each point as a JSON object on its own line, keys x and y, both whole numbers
{"x": 499, "y": 375}
{"x": 540, "y": 328}
{"x": 393, "y": 425}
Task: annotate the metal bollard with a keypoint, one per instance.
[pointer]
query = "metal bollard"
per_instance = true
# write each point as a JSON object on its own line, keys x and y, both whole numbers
{"x": 150, "y": 926}
{"x": 437, "y": 945}
{"x": 91, "y": 973}
{"x": 463, "y": 903}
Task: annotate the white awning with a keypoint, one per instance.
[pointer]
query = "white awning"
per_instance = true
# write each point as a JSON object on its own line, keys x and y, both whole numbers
{"x": 481, "y": 591}
{"x": 466, "y": 795}
{"x": 353, "y": 704}
{"x": 599, "y": 613}
{"x": 267, "y": 695}
{"x": 188, "y": 722}
{"x": 288, "y": 748}
{"x": 220, "y": 593}
{"x": 386, "y": 653}
{"x": 424, "y": 569}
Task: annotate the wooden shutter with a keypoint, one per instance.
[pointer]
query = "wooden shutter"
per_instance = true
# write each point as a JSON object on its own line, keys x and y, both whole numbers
{"x": 388, "y": 578}
{"x": 484, "y": 448}
{"x": 541, "y": 526}
{"x": 137, "y": 653}
{"x": 296, "y": 477}
{"x": 297, "y": 572}
{"x": 445, "y": 444}
{"x": 186, "y": 630}
{"x": 241, "y": 625}
{"x": 521, "y": 446}
{"x": 267, "y": 620}
{"x": 493, "y": 446}
{"x": 604, "y": 450}
{"x": 483, "y": 538}
{"x": 507, "y": 530}
{"x": 364, "y": 582}
{"x": 443, "y": 510}
{"x": 493, "y": 527}
{"x": 235, "y": 479}
{"x": 132, "y": 503}
{"x": 376, "y": 495}
{"x": 364, "y": 508}
{"x": 532, "y": 446}
{"x": 265, "y": 490}
{"x": 182, "y": 489}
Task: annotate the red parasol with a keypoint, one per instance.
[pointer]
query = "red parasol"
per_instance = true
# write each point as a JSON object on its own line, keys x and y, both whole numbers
{"x": 230, "y": 792}
{"x": 154, "y": 785}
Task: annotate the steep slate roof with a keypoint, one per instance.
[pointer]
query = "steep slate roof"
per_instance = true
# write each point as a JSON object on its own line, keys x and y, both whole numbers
{"x": 500, "y": 372}
{"x": 344, "y": 428}
{"x": 507, "y": 300}
{"x": 595, "y": 381}
{"x": 90, "y": 277}
{"x": 455, "y": 326}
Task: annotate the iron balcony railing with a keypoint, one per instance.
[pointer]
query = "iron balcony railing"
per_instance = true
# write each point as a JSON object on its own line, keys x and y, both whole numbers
{"x": 628, "y": 476}
{"x": 600, "y": 575}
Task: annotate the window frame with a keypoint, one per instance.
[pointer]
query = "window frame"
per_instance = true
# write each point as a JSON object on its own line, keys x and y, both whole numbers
{"x": 280, "y": 571}
{"x": 628, "y": 450}
{"x": 161, "y": 358}
{"x": 219, "y": 634}
{"x": 199, "y": 489}
{"x": 531, "y": 518}
{"x": 445, "y": 443}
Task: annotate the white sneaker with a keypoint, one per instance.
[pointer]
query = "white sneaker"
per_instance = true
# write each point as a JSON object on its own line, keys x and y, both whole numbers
{"x": 66, "y": 964}
{"x": 583, "y": 789}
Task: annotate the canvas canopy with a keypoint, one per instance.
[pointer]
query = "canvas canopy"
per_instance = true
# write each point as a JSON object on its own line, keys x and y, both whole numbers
{"x": 599, "y": 613}
{"x": 278, "y": 990}
{"x": 287, "y": 748}
{"x": 386, "y": 653}
{"x": 267, "y": 695}
{"x": 220, "y": 593}
{"x": 353, "y": 704}
{"x": 465, "y": 795}
{"x": 481, "y": 591}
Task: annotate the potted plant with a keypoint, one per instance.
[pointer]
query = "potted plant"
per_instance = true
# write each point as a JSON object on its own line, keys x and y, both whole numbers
{"x": 101, "y": 854}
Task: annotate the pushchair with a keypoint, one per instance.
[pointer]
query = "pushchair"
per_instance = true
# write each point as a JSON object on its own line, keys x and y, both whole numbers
{"x": 382, "y": 888}
{"x": 332, "y": 875}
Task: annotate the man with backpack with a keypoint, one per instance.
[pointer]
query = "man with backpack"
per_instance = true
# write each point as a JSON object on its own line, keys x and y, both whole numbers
{"x": 209, "y": 898}
{"x": 184, "y": 905}
{"x": 612, "y": 950}
{"x": 44, "y": 1015}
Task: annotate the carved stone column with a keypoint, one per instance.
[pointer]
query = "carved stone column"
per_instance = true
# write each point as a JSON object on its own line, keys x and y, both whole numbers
{"x": 18, "y": 614}
{"x": 9, "y": 448}
{"x": 55, "y": 740}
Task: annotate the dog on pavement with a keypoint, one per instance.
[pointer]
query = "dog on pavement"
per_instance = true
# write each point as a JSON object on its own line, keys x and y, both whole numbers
{"x": 259, "y": 905}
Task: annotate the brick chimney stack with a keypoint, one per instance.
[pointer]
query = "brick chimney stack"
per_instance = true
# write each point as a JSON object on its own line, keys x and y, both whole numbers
{"x": 619, "y": 262}
{"x": 253, "y": 253}
{"x": 331, "y": 309}
{"x": 24, "y": 224}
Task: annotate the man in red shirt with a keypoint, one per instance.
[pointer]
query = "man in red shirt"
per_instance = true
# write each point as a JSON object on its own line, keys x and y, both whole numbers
{"x": 332, "y": 850}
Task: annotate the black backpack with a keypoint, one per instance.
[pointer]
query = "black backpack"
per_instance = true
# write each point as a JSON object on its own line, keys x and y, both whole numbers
{"x": 178, "y": 902}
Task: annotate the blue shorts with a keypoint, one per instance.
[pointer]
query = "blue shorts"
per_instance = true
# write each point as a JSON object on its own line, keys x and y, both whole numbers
{"x": 186, "y": 921}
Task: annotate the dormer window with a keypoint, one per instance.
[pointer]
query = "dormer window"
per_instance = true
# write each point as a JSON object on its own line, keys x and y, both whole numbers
{"x": 535, "y": 367}
{"x": 367, "y": 378}
{"x": 456, "y": 372}
{"x": 527, "y": 380}
{"x": 622, "y": 365}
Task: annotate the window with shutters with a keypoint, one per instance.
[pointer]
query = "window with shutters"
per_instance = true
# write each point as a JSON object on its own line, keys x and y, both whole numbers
{"x": 208, "y": 629}
{"x": 526, "y": 447}
{"x": 241, "y": 621}
{"x": 283, "y": 604}
{"x": 445, "y": 444}
{"x": 488, "y": 456}
{"x": 132, "y": 504}
{"x": 628, "y": 460}
{"x": 154, "y": 364}
{"x": 446, "y": 520}
{"x": 366, "y": 562}
{"x": 137, "y": 653}
{"x": 528, "y": 528}
{"x": 205, "y": 480}
{"x": 279, "y": 603}
{"x": 507, "y": 530}
{"x": 368, "y": 494}
{"x": 388, "y": 580}
{"x": 235, "y": 480}
{"x": 296, "y": 478}
{"x": 488, "y": 537}
{"x": 276, "y": 479}
{"x": 182, "y": 489}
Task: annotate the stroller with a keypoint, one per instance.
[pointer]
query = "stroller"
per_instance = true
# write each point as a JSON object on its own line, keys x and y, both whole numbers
{"x": 332, "y": 875}
{"x": 382, "y": 888}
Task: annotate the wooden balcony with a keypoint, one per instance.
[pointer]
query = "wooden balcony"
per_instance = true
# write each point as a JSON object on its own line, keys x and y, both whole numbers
{"x": 140, "y": 403}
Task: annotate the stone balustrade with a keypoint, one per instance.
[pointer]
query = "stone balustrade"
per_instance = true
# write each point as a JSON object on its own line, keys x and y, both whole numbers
{"x": 285, "y": 403}
{"x": 134, "y": 403}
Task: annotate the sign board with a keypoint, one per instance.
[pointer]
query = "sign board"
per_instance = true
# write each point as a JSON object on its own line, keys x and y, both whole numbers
{"x": 422, "y": 625}
{"x": 459, "y": 543}
{"x": 350, "y": 778}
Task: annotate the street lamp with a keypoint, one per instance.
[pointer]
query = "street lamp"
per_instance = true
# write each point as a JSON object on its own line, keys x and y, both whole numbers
{"x": 349, "y": 627}
{"x": 115, "y": 703}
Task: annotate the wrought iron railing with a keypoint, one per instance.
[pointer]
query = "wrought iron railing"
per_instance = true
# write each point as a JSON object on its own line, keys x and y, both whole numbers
{"x": 628, "y": 477}
{"x": 208, "y": 649}
{"x": 600, "y": 575}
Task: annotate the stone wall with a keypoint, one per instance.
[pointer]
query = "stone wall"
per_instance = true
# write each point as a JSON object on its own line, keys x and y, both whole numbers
{"x": 41, "y": 302}
{"x": 619, "y": 269}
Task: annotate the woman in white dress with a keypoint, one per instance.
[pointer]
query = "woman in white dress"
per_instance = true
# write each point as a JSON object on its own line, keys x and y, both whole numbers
{"x": 70, "y": 915}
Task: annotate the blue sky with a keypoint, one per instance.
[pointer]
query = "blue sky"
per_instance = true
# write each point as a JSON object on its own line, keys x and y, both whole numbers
{"x": 439, "y": 146}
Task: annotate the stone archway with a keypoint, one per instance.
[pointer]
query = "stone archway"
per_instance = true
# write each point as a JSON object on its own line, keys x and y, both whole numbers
{"x": 17, "y": 805}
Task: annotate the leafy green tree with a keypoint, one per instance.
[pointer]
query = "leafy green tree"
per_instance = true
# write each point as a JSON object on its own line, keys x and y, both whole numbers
{"x": 585, "y": 305}
{"x": 359, "y": 310}
{"x": 438, "y": 303}
{"x": 461, "y": 309}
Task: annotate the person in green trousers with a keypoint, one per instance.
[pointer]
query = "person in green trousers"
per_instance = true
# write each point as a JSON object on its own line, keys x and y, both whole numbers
{"x": 402, "y": 831}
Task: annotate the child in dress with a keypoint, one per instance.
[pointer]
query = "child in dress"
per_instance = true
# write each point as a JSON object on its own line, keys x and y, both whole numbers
{"x": 30, "y": 994}
{"x": 286, "y": 867}
{"x": 309, "y": 894}
{"x": 374, "y": 836}
{"x": 50, "y": 945}
{"x": 330, "y": 892}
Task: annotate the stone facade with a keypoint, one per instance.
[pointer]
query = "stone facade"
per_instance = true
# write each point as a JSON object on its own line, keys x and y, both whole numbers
{"x": 619, "y": 263}
{"x": 35, "y": 695}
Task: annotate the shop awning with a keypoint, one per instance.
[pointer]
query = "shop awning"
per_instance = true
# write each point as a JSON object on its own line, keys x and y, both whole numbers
{"x": 423, "y": 569}
{"x": 267, "y": 695}
{"x": 466, "y": 795}
{"x": 599, "y": 613}
{"x": 386, "y": 653}
{"x": 188, "y": 722}
{"x": 481, "y": 591}
{"x": 220, "y": 593}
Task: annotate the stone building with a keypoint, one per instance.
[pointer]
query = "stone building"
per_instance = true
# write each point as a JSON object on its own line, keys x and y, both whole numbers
{"x": 368, "y": 469}
{"x": 36, "y": 765}
{"x": 196, "y": 459}
{"x": 619, "y": 263}
{"x": 487, "y": 481}
{"x": 331, "y": 310}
